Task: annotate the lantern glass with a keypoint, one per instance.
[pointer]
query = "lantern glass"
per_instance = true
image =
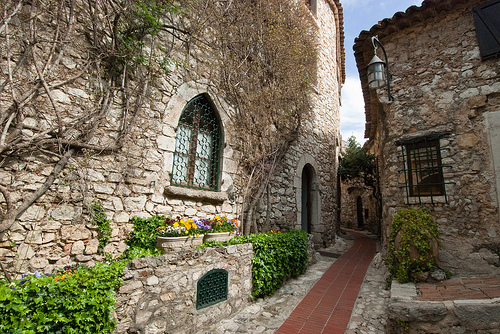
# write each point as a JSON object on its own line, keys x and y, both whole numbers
{"x": 376, "y": 73}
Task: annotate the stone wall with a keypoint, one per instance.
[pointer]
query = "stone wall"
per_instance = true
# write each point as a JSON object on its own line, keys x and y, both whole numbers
{"x": 440, "y": 85}
{"x": 134, "y": 180}
{"x": 159, "y": 294}
{"x": 318, "y": 145}
{"x": 351, "y": 191}
{"x": 474, "y": 316}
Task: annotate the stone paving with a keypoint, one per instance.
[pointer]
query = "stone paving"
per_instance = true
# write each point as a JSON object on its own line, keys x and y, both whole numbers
{"x": 369, "y": 315}
{"x": 266, "y": 315}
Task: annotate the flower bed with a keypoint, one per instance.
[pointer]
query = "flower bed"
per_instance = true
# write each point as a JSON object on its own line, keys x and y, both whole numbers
{"x": 143, "y": 238}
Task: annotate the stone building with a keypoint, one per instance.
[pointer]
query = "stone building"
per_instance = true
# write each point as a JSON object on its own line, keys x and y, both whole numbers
{"x": 144, "y": 177}
{"x": 359, "y": 206}
{"x": 437, "y": 134}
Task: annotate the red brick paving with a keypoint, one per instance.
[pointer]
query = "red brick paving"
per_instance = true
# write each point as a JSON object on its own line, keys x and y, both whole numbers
{"x": 328, "y": 306}
{"x": 460, "y": 288}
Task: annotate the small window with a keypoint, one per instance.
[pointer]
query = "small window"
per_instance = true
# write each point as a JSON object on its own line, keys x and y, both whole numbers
{"x": 425, "y": 174}
{"x": 423, "y": 168}
{"x": 487, "y": 22}
{"x": 197, "y": 146}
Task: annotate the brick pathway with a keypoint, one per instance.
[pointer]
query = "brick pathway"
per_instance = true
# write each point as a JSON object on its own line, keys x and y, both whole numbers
{"x": 328, "y": 306}
{"x": 460, "y": 288}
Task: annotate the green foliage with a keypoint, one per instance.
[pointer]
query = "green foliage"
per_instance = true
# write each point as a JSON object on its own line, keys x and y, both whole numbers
{"x": 356, "y": 162}
{"x": 77, "y": 300}
{"x": 417, "y": 230}
{"x": 404, "y": 325}
{"x": 100, "y": 219}
{"x": 277, "y": 256}
{"x": 142, "y": 239}
{"x": 138, "y": 20}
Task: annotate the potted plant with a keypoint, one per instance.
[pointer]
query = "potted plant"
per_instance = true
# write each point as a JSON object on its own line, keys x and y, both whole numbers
{"x": 221, "y": 228}
{"x": 179, "y": 234}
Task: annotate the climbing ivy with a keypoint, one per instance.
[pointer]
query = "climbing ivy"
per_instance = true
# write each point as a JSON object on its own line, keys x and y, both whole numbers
{"x": 417, "y": 231}
{"x": 100, "y": 219}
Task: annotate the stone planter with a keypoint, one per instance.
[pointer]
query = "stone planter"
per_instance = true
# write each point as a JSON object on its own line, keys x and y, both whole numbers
{"x": 220, "y": 236}
{"x": 195, "y": 241}
{"x": 169, "y": 244}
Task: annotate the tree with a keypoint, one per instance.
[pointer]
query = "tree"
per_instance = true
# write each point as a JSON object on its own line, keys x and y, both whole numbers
{"x": 356, "y": 162}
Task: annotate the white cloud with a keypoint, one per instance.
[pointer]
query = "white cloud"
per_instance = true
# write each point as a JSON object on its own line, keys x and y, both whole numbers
{"x": 352, "y": 111}
{"x": 354, "y": 3}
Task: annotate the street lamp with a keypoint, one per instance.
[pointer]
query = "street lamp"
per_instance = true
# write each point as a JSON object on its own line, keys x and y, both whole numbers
{"x": 378, "y": 70}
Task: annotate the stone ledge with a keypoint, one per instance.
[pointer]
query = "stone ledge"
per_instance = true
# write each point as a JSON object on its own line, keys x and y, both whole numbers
{"x": 199, "y": 194}
{"x": 473, "y": 315}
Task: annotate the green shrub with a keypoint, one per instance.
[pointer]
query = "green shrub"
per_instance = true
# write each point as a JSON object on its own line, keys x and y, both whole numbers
{"x": 76, "y": 300}
{"x": 417, "y": 233}
{"x": 277, "y": 256}
{"x": 142, "y": 239}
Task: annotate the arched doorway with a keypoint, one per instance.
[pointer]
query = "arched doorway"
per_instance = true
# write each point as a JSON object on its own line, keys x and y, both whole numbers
{"x": 359, "y": 211}
{"x": 307, "y": 198}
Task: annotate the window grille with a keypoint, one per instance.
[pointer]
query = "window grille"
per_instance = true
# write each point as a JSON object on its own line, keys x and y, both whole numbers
{"x": 423, "y": 168}
{"x": 197, "y": 146}
{"x": 211, "y": 288}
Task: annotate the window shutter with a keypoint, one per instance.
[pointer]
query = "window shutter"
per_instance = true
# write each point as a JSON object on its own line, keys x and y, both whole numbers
{"x": 487, "y": 22}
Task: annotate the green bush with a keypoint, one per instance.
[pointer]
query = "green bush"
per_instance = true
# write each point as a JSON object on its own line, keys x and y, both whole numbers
{"x": 76, "y": 300}
{"x": 277, "y": 256}
{"x": 417, "y": 233}
{"x": 142, "y": 239}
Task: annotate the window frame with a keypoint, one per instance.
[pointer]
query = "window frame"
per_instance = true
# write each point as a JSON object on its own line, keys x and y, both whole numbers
{"x": 416, "y": 165}
{"x": 197, "y": 153}
{"x": 424, "y": 158}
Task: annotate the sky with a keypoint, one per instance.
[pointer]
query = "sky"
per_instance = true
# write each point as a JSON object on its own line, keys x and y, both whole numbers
{"x": 361, "y": 15}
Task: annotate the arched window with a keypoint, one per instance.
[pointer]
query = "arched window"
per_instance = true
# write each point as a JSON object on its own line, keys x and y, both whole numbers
{"x": 197, "y": 146}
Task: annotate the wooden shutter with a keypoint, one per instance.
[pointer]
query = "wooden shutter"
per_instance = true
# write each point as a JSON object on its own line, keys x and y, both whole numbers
{"x": 487, "y": 21}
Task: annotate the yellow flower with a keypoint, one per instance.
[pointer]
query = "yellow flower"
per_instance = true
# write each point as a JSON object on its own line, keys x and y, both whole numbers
{"x": 176, "y": 224}
{"x": 194, "y": 226}
{"x": 217, "y": 218}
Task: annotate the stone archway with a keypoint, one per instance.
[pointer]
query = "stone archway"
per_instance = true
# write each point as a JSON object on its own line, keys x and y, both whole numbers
{"x": 308, "y": 198}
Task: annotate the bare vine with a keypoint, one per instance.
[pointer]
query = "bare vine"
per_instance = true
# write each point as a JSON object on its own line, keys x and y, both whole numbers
{"x": 266, "y": 56}
{"x": 260, "y": 56}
